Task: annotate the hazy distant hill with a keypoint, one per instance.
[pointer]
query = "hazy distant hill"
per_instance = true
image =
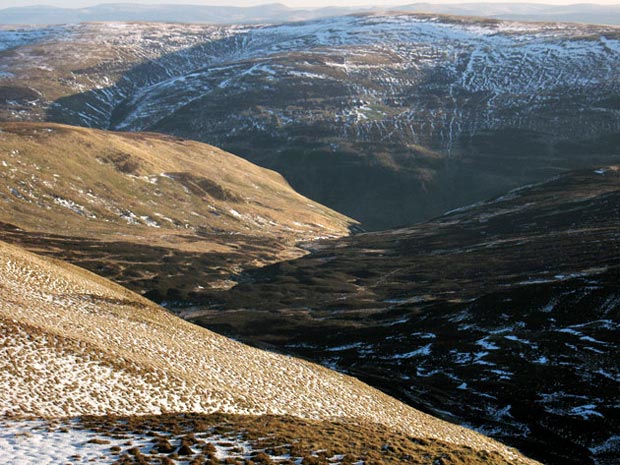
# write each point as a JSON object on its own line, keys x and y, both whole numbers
{"x": 278, "y": 13}
{"x": 269, "y": 13}
{"x": 581, "y": 13}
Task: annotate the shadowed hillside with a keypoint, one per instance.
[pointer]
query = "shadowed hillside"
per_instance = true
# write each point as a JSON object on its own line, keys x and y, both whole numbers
{"x": 503, "y": 315}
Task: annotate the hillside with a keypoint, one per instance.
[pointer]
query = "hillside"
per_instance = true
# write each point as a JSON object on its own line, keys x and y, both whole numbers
{"x": 76, "y": 345}
{"x": 388, "y": 118}
{"x": 503, "y": 315}
{"x": 163, "y": 216}
{"x": 500, "y": 315}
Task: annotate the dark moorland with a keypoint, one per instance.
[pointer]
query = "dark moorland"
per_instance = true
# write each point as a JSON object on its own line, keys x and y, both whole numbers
{"x": 503, "y": 316}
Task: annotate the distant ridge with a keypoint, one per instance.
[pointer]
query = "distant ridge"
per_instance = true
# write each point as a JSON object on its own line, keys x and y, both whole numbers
{"x": 268, "y": 13}
{"x": 577, "y": 13}
{"x": 279, "y": 13}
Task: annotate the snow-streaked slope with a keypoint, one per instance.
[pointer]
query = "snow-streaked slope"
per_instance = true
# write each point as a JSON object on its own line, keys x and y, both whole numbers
{"x": 197, "y": 439}
{"x": 75, "y": 344}
{"x": 507, "y": 64}
{"x": 510, "y": 64}
{"x": 11, "y": 37}
{"x": 40, "y": 442}
{"x": 68, "y": 59}
{"x": 427, "y": 107}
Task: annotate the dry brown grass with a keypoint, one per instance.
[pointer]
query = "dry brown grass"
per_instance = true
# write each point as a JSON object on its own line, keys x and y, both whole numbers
{"x": 314, "y": 442}
{"x": 189, "y": 214}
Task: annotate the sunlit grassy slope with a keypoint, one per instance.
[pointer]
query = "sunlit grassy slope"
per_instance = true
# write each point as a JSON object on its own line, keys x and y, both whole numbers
{"x": 153, "y": 212}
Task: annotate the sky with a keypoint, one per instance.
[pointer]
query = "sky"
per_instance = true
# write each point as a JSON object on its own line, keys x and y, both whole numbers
{"x": 291, "y": 3}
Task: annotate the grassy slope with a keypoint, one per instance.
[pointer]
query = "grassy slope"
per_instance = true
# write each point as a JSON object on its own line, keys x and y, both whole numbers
{"x": 156, "y": 213}
{"x": 75, "y": 344}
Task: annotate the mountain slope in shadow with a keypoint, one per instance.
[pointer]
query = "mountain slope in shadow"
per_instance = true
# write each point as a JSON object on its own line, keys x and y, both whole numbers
{"x": 503, "y": 315}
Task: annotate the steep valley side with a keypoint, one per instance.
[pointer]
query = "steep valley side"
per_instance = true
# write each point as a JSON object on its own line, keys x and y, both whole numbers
{"x": 86, "y": 361}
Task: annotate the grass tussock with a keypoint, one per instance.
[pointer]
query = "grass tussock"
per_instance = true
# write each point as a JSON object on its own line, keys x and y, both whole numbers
{"x": 281, "y": 439}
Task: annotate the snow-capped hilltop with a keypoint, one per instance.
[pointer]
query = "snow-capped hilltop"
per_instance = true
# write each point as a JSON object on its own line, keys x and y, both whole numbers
{"x": 74, "y": 344}
{"x": 432, "y": 103}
